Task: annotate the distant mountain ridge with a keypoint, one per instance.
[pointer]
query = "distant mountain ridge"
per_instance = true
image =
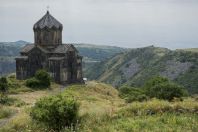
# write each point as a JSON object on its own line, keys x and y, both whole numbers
{"x": 121, "y": 66}
{"x": 11, "y": 48}
{"x": 135, "y": 66}
{"x": 91, "y": 54}
{"x": 16, "y": 43}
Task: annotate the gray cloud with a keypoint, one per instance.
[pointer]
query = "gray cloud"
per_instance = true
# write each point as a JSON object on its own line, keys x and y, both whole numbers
{"x": 128, "y": 23}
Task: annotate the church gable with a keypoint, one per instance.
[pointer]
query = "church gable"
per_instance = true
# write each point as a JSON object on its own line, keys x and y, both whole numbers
{"x": 64, "y": 48}
{"x": 27, "y": 48}
{"x": 72, "y": 48}
{"x": 30, "y": 47}
{"x": 35, "y": 51}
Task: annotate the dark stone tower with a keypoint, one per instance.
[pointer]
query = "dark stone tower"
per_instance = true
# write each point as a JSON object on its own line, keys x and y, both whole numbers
{"x": 48, "y": 31}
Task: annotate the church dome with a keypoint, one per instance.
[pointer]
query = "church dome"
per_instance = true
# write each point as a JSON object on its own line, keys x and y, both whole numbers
{"x": 48, "y": 21}
{"x": 48, "y": 31}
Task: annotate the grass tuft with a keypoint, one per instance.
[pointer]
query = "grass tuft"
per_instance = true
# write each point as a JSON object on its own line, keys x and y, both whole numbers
{"x": 5, "y": 112}
{"x": 156, "y": 106}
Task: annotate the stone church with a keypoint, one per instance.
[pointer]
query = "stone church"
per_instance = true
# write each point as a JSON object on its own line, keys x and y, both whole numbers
{"x": 61, "y": 61}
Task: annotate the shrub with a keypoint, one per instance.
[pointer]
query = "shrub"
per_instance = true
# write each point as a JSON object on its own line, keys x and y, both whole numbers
{"x": 167, "y": 91}
{"x": 162, "y": 88}
{"x": 131, "y": 94}
{"x": 32, "y": 83}
{"x": 139, "y": 98}
{"x": 43, "y": 77}
{"x": 56, "y": 112}
{"x": 41, "y": 80}
{"x": 5, "y": 100}
{"x": 3, "y": 85}
{"x": 3, "y": 90}
{"x": 155, "y": 81}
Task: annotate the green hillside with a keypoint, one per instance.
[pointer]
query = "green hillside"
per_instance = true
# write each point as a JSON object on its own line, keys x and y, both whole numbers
{"x": 98, "y": 52}
{"x": 91, "y": 54}
{"x": 136, "y": 66}
{"x": 190, "y": 49}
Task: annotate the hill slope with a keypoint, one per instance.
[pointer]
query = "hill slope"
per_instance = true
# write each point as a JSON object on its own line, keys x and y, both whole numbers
{"x": 102, "y": 110}
{"x": 138, "y": 65}
{"x": 8, "y": 51}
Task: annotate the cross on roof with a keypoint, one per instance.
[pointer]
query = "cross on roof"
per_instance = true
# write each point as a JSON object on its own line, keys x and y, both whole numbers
{"x": 48, "y": 8}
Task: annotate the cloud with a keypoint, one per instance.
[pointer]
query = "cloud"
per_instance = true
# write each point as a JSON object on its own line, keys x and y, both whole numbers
{"x": 129, "y": 23}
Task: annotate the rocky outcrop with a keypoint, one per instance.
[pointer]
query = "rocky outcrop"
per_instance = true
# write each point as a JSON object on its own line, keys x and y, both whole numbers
{"x": 175, "y": 68}
{"x": 130, "y": 68}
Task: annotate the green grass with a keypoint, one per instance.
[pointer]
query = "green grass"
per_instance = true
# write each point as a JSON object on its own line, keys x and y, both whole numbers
{"x": 95, "y": 97}
{"x": 165, "y": 122}
{"x": 17, "y": 86}
{"x": 155, "y": 106}
{"x": 102, "y": 110}
{"x": 5, "y": 112}
{"x": 160, "y": 122}
{"x": 154, "y": 115}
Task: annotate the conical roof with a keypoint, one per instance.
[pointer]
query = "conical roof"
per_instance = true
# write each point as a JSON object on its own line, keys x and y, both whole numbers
{"x": 48, "y": 21}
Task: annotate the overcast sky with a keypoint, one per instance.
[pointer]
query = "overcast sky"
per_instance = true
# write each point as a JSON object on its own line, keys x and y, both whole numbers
{"x": 126, "y": 23}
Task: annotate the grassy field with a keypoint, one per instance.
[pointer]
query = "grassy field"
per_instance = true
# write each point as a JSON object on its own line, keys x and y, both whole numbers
{"x": 102, "y": 110}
